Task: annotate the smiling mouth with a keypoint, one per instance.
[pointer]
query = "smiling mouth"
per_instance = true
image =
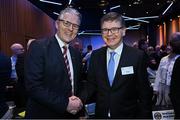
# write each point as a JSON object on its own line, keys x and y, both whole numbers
{"x": 110, "y": 40}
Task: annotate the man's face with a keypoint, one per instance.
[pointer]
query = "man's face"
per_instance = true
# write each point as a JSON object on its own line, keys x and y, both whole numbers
{"x": 112, "y": 33}
{"x": 67, "y": 27}
{"x": 18, "y": 50}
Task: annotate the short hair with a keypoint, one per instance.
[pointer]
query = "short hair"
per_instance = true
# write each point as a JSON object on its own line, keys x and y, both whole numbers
{"x": 175, "y": 42}
{"x": 113, "y": 16}
{"x": 71, "y": 11}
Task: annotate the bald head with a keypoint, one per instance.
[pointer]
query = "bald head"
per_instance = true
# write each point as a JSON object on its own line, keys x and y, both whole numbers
{"x": 17, "y": 48}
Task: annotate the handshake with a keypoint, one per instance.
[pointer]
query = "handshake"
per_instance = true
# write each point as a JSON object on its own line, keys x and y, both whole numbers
{"x": 74, "y": 105}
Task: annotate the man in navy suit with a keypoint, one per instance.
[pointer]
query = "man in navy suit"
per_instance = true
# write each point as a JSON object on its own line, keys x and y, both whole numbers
{"x": 117, "y": 75}
{"x": 53, "y": 86}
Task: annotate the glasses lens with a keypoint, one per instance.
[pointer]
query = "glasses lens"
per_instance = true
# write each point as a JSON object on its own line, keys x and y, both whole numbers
{"x": 68, "y": 24}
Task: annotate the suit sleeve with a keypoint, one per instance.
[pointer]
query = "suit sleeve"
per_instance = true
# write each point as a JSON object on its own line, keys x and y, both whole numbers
{"x": 144, "y": 89}
{"x": 35, "y": 76}
{"x": 91, "y": 82}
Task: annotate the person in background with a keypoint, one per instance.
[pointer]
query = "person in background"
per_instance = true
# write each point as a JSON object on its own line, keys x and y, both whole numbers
{"x": 175, "y": 78}
{"x": 87, "y": 57}
{"x": 5, "y": 72}
{"x": 163, "y": 76}
{"x": 53, "y": 72}
{"x": 135, "y": 45}
{"x": 174, "y": 88}
{"x": 20, "y": 91}
{"x": 117, "y": 75}
{"x": 16, "y": 49}
{"x": 143, "y": 44}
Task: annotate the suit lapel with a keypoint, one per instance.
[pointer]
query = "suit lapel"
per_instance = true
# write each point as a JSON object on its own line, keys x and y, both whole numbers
{"x": 104, "y": 66}
{"x": 58, "y": 52}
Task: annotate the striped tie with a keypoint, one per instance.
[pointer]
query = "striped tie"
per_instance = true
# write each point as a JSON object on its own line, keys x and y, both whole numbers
{"x": 66, "y": 61}
{"x": 67, "y": 66}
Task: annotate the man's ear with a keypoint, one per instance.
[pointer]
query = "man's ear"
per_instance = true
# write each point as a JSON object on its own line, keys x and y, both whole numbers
{"x": 124, "y": 31}
{"x": 56, "y": 24}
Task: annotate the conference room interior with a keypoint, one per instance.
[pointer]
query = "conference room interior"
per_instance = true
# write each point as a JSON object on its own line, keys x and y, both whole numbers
{"x": 152, "y": 21}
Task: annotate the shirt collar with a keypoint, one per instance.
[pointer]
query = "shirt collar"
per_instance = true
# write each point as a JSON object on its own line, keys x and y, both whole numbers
{"x": 118, "y": 50}
{"x": 60, "y": 42}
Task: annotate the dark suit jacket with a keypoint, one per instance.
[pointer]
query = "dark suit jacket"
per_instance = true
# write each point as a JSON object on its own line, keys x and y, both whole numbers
{"x": 20, "y": 91}
{"x": 130, "y": 95}
{"x": 47, "y": 81}
{"x": 174, "y": 88}
{"x": 5, "y": 72}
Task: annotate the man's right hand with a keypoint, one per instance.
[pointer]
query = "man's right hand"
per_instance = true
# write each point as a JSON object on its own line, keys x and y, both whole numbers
{"x": 74, "y": 105}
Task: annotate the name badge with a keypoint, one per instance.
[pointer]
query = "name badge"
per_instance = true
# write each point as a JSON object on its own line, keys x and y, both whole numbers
{"x": 127, "y": 70}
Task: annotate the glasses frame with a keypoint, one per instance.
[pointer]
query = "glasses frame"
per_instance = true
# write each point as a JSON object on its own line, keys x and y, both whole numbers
{"x": 112, "y": 30}
{"x": 68, "y": 24}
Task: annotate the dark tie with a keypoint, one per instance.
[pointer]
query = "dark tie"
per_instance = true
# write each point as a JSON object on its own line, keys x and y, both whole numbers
{"x": 111, "y": 66}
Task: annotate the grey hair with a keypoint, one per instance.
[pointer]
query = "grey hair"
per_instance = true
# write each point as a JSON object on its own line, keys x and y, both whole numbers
{"x": 71, "y": 11}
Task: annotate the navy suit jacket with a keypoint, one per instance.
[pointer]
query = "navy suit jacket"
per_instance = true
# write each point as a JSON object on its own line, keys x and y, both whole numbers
{"x": 47, "y": 80}
{"x": 130, "y": 95}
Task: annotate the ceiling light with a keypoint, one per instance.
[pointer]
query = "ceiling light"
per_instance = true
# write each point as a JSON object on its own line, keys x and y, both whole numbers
{"x": 168, "y": 8}
{"x": 46, "y": 1}
{"x": 114, "y": 7}
{"x": 69, "y": 2}
{"x": 55, "y": 13}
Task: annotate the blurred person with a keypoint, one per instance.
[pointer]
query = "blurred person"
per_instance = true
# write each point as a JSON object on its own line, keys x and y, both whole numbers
{"x": 86, "y": 58}
{"x": 117, "y": 75}
{"x": 174, "y": 88}
{"x": 168, "y": 49}
{"x": 135, "y": 45}
{"x": 5, "y": 72}
{"x": 20, "y": 91}
{"x": 16, "y": 49}
{"x": 143, "y": 44}
{"x": 163, "y": 76}
{"x": 175, "y": 78}
{"x": 150, "y": 50}
{"x": 53, "y": 72}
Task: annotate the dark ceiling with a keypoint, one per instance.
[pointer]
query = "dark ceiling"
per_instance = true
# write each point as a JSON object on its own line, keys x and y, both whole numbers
{"x": 92, "y": 10}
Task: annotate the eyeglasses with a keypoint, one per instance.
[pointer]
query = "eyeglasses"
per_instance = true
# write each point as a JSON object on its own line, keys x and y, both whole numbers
{"x": 68, "y": 24}
{"x": 112, "y": 30}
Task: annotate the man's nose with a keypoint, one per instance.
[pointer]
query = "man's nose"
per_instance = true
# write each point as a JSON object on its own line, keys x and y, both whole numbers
{"x": 109, "y": 32}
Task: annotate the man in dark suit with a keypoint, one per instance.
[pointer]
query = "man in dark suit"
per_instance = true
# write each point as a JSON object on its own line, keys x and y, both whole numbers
{"x": 5, "y": 72}
{"x": 117, "y": 75}
{"x": 52, "y": 72}
{"x": 175, "y": 78}
{"x": 174, "y": 88}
